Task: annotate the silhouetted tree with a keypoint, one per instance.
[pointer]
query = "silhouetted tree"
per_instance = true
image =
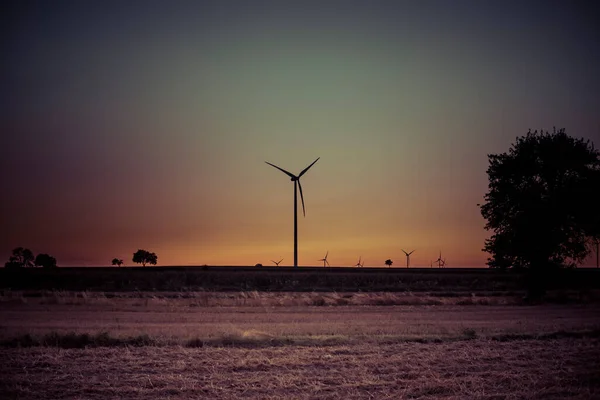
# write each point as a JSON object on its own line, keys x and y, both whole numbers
{"x": 258, "y": 265}
{"x": 21, "y": 257}
{"x": 117, "y": 261}
{"x": 145, "y": 257}
{"x": 45, "y": 261}
{"x": 388, "y": 262}
{"x": 540, "y": 202}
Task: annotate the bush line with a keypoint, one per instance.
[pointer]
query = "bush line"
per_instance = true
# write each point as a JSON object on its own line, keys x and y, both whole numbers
{"x": 83, "y": 340}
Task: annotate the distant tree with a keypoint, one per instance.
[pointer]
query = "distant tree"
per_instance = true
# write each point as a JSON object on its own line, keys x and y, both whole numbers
{"x": 45, "y": 261}
{"x": 145, "y": 257}
{"x": 117, "y": 261}
{"x": 541, "y": 203}
{"x": 258, "y": 265}
{"x": 11, "y": 265}
{"x": 21, "y": 257}
{"x": 388, "y": 262}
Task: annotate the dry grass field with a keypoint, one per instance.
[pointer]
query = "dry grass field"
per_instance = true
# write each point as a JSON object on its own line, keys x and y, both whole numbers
{"x": 256, "y": 345}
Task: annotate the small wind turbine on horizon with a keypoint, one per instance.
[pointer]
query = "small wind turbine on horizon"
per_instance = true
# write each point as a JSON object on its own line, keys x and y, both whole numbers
{"x": 277, "y": 262}
{"x": 407, "y": 257}
{"x": 324, "y": 259}
{"x": 358, "y": 264}
{"x": 441, "y": 261}
{"x": 296, "y": 180}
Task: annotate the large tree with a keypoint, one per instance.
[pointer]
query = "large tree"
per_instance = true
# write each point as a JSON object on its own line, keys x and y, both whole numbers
{"x": 145, "y": 257}
{"x": 540, "y": 202}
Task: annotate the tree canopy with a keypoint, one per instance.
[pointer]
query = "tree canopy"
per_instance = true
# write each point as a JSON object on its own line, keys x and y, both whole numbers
{"x": 45, "y": 261}
{"x": 540, "y": 202}
{"x": 144, "y": 257}
{"x": 21, "y": 257}
{"x": 117, "y": 261}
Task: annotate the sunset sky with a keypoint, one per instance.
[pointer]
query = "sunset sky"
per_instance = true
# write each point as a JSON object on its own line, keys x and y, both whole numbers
{"x": 147, "y": 124}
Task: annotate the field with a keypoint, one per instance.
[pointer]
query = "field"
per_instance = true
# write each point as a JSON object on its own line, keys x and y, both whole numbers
{"x": 471, "y": 342}
{"x": 286, "y": 279}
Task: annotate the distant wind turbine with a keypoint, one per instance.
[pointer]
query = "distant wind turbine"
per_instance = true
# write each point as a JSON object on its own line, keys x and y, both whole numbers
{"x": 277, "y": 262}
{"x": 358, "y": 264}
{"x": 441, "y": 262}
{"x": 296, "y": 180}
{"x": 408, "y": 257}
{"x": 325, "y": 262}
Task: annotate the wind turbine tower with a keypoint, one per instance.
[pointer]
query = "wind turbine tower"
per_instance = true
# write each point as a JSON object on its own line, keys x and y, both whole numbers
{"x": 407, "y": 257}
{"x": 296, "y": 180}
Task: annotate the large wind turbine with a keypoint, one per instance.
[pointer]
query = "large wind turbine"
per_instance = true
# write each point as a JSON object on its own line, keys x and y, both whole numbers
{"x": 407, "y": 257}
{"x": 296, "y": 180}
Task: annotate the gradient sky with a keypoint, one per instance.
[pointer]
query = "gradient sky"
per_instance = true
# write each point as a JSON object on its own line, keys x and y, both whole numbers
{"x": 146, "y": 124}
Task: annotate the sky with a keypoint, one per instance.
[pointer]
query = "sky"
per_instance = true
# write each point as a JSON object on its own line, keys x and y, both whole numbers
{"x": 146, "y": 124}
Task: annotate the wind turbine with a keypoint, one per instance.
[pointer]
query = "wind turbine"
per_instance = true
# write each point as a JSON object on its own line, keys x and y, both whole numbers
{"x": 358, "y": 264}
{"x": 325, "y": 260}
{"x": 277, "y": 262}
{"x": 407, "y": 257}
{"x": 296, "y": 180}
{"x": 440, "y": 262}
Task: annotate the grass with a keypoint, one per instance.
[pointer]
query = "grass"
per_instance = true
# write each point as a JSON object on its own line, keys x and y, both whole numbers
{"x": 256, "y": 345}
{"x": 289, "y": 299}
{"x": 474, "y": 369}
{"x": 257, "y": 339}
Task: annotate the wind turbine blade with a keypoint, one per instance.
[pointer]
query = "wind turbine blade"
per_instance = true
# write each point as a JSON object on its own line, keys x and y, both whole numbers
{"x": 404, "y": 252}
{"x": 302, "y": 198}
{"x": 306, "y": 169}
{"x": 281, "y": 260}
{"x": 326, "y": 254}
{"x": 282, "y": 170}
{"x": 411, "y": 252}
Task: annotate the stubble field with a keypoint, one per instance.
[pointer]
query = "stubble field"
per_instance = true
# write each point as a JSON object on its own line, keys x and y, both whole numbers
{"x": 257, "y": 345}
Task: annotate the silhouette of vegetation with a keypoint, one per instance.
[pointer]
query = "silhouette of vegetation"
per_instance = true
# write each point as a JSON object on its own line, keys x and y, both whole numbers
{"x": 21, "y": 257}
{"x": 45, "y": 261}
{"x": 540, "y": 203}
{"x": 469, "y": 280}
{"x": 144, "y": 257}
{"x": 258, "y": 265}
{"x": 388, "y": 262}
{"x": 596, "y": 242}
{"x": 117, "y": 261}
